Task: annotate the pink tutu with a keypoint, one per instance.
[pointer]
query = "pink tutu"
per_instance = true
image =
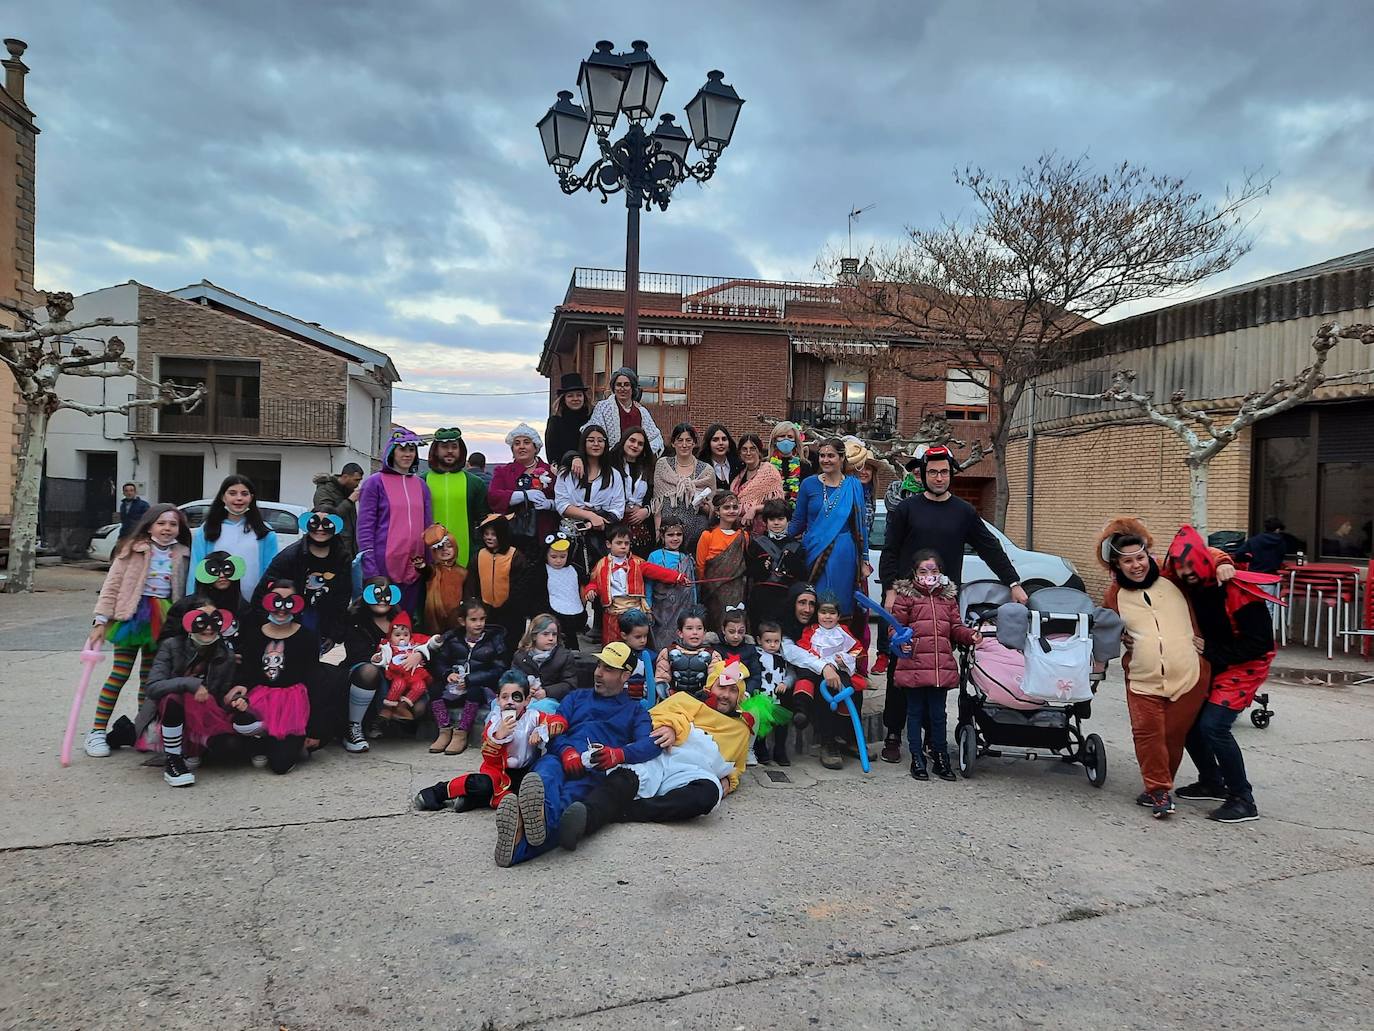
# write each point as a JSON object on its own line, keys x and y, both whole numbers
{"x": 283, "y": 710}
{"x": 204, "y": 720}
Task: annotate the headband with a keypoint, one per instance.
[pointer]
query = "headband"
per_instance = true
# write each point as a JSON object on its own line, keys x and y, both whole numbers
{"x": 372, "y": 595}
{"x": 220, "y": 565}
{"x": 309, "y": 522}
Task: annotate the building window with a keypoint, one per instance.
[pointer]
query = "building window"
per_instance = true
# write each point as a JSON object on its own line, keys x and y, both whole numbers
{"x": 1285, "y": 486}
{"x": 966, "y": 395}
{"x": 1347, "y": 501}
{"x": 662, "y": 372}
{"x": 232, "y": 402}
{"x": 265, "y": 474}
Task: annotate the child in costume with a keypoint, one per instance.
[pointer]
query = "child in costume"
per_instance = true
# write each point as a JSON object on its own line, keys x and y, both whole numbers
{"x": 444, "y": 580}
{"x": 217, "y": 580}
{"x": 148, "y": 574}
{"x": 515, "y": 735}
{"x": 556, "y": 588}
{"x": 927, "y": 668}
{"x": 828, "y": 640}
{"x": 668, "y": 601}
{"x": 468, "y": 661}
{"x": 733, "y": 642}
{"x": 618, "y": 580}
{"x": 774, "y": 562}
{"x": 322, "y": 564}
{"x": 634, "y": 632}
{"x": 720, "y": 560}
{"x": 269, "y": 688}
{"x": 549, "y": 667}
{"x": 683, "y": 665}
{"x": 495, "y": 570}
{"x": 406, "y": 686}
{"x": 774, "y": 679}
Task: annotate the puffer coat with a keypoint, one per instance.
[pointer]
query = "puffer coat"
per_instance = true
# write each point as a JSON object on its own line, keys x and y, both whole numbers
{"x": 934, "y": 620}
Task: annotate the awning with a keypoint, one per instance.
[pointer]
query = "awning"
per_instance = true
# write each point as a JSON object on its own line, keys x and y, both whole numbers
{"x": 831, "y": 348}
{"x": 667, "y": 337}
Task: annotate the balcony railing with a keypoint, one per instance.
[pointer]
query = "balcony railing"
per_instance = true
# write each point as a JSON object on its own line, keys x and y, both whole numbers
{"x": 270, "y": 419}
{"x": 699, "y": 295}
{"x": 876, "y": 420}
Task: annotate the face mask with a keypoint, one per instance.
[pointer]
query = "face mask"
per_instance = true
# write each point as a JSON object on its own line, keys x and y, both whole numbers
{"x": 785, "y": 445}
{"x": 929, "y": 580}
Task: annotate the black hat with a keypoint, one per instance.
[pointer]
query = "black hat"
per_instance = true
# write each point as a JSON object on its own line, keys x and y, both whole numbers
{"x": 571, "y": 383}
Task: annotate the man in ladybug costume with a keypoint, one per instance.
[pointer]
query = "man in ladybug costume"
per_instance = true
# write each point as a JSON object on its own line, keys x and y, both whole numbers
{"x": 1232, "y": 612}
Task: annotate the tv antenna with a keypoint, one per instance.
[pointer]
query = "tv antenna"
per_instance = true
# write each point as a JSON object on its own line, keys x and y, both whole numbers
{"x": 854, "y": 213}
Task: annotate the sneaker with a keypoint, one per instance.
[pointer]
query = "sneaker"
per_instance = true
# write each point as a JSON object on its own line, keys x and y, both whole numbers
{"x": 1202, "y": 792}
{"x": 1236, "y": 810}
{"x": 508, "y": 829}
{"x": 192, "y": 762}
{"x": 259, "y": 762}
{"x": 354, "y": 739}
{"x": 830, "y": 756}
{"x": 374, "y": 731}
{"x": 880, "y": 667}
{"x": 531, "y": 802}
{"x": 176, "y": 774}
{"x": 892, "y": 749}
{"x": 572, "y": 826}
{"x": 918, "y": 770}
{"x": 96, "y": 745}
{"x": 1161, "y": 805}
{"x": 431, "y": 799}
{"x": 1144, "y": 799}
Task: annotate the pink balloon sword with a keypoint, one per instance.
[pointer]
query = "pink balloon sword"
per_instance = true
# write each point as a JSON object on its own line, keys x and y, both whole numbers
{"x": 89, "y": 659}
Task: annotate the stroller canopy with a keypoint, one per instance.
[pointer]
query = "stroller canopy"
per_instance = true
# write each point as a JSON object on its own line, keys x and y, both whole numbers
{"x": 982, "y": 597}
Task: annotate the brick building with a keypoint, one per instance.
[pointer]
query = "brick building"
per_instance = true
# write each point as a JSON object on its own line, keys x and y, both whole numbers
{"x": 725, "y": 350}
{"x": 18, "y": 151}
{"x": 1312, "y": 466}
{"x": 285, "y": 399}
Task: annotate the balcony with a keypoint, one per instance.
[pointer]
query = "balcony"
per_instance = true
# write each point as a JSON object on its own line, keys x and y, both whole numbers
{"x": 295, "y": 420}
{"x": 874, "y": 420}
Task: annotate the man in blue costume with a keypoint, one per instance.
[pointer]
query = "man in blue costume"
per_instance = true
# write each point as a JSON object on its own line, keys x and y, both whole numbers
{"x": 603, "y": 728}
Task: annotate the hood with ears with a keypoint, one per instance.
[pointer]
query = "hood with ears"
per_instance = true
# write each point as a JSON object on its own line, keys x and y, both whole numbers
{"x": 400, "y": 435}
{"x": 1120, "y": 525}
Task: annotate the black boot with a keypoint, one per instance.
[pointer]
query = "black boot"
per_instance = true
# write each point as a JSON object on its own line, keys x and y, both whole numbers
{"x": 780, "y": 747}
{"x": 918, "y": 768}
{"x": 606, "y": 804}
{"x": 941, "y": 764}
{"x": 433, "y": 798}
{"x": 761, "y": 752}
{"x": 121, "y": 735}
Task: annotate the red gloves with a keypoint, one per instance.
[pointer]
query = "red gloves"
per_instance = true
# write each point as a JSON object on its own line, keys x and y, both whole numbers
{"x": 634, "y": 687}
{"x": 572, "y": 762}
{"x": 606, "y": 758}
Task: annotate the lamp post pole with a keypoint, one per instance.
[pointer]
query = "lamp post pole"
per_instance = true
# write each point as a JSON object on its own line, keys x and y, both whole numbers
{"x": 646, "y": 166}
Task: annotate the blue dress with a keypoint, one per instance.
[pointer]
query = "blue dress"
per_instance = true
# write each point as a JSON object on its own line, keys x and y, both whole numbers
{"x": 832, "y": 524}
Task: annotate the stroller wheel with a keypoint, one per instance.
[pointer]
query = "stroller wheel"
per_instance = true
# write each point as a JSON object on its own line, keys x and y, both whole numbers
{"x": 1260, "y": 718}
{"x": 966, "y": 738}
{"x": 1095, "y": 760}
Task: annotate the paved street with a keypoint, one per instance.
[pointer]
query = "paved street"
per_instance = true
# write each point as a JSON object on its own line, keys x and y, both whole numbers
{"x": 1021, "y": 898}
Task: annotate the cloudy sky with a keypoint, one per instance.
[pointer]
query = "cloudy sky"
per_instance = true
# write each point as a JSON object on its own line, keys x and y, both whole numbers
{"x": 373, "y": 166}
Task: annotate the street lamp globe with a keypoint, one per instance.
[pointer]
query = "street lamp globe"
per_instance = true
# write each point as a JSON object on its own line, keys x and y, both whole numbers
{"x": 602, "y": 80}
{"x": 564, "y": 132}
{"x": 644, "y": 84}
{"x": 712, "y": 114}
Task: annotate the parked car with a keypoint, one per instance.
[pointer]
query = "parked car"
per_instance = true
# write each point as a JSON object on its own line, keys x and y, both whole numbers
{"x": 280, "y": 517}
{"x": 1036, "y": 568}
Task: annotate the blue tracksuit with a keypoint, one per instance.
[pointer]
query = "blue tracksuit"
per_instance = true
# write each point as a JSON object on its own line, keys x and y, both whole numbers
{"x": 619, "y": 722}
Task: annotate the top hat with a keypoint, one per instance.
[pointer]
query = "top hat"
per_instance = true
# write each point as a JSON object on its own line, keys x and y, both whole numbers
{"x": 571, "y": 383}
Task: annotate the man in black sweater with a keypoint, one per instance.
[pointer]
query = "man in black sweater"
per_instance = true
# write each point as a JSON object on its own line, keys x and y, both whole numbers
{"x": 938, "y": 520}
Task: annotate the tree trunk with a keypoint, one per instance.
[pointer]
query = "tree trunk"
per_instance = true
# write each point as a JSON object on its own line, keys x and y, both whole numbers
{"x": 24, "y": 529}
{"x": 1197, "y": 491}
{"x": 1002, "y": 491}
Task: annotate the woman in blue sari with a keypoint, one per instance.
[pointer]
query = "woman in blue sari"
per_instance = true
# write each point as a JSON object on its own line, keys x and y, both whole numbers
{"x": 831, "y": 520}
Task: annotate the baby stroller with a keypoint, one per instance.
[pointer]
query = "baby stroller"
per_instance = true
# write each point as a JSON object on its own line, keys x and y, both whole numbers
{"x": 1033, "y": 705}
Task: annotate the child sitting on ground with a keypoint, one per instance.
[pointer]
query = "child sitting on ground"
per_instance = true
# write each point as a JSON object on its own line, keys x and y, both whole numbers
{"x": 683, "y": 665}
{"x": 773, "y": 679}
{"x": 514, "y": 736}
{"x": 734, "y": 643}
{"x": 548, "y": 666}
{"x": 668, "y": 601}
{"x": 618, "y": 581}
{"x": 405, "y": 686}
{"x": 775, "y": 562}
{"x": 927, "y": 669}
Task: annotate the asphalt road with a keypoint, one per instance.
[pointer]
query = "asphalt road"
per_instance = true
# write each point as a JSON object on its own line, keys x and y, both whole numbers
{"x": 1020, "y": 898}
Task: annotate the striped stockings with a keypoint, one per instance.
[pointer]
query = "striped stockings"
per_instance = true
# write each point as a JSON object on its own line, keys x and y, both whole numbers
{"x": 119, "y": 676}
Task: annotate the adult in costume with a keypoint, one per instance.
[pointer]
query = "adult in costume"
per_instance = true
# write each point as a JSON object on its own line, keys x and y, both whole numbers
{"x": 563, "y": 431}
{"x": 785, "y": 455}
{"x": 523, "y": 490}
{"x": 1166, "y": 678}
{"x": 621, "y": 410}
{"x": 683, "y": 485}
{"x": 394, "y": 508}
{"x": 829, "y": 518}
{"x": 460, "y": 496}
{"x": 756, "y": 483}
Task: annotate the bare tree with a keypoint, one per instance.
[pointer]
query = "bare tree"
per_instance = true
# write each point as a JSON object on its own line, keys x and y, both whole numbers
{"x": 1201, "y": 432}
{"x": 40, "y": 354}
{"x": 995, "y": 300}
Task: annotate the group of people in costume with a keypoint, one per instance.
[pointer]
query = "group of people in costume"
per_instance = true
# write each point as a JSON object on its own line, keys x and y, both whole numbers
{"x": 721, "y": 576}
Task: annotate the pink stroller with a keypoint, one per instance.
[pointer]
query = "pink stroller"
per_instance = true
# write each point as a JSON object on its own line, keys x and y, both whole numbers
{"x": 999, "y": 709}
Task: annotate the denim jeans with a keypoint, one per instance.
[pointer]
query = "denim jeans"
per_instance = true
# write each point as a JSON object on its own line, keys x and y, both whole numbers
{"x": 925, "y": 711}
{"x": 1214, "y": 751}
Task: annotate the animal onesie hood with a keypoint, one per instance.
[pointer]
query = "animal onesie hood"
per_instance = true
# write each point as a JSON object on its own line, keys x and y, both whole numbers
{"x": 393, "y": 510}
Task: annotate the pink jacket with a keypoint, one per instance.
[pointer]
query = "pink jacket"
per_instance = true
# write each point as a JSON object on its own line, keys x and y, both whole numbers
{"x": 123, "y": 586}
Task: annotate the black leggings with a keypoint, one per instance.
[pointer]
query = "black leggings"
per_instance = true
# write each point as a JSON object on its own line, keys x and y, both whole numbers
{"x": 282, "y": 752}
{"x": 613, "y": 800}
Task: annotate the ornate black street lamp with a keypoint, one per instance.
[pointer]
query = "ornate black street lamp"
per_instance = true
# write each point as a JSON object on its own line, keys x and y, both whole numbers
{"x": 644, "y": 166}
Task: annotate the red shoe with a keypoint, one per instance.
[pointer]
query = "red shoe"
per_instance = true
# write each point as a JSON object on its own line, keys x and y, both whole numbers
{"x": 880, "y": 665}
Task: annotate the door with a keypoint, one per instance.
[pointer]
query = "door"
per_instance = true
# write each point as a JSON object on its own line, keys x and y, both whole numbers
{"x": 265, "y": 474}
{"x": 102, "y": 488}
{"x": 846, "y": 391}
{"x": 180, "y": 478}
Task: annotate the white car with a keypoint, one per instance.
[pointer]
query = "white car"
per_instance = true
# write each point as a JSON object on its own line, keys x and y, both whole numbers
{"x": 280, "y": 517}
{"x": 1035, "y": 568}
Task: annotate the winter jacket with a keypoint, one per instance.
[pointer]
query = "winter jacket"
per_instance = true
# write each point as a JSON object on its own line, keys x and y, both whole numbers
{"x": 360, "y": 634}
{"x": 123, "y": 586}
{"x": 174, "y": 656}
{"x": 131, "y": 510}
{"x": 527, "y": 496}
{"x": 329, "y": 491}
{"x": 393, "y": 511}
{"x": 934, "y": 621}
{"x": 481, "y": 664}
{"x": 558, "y": 674}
